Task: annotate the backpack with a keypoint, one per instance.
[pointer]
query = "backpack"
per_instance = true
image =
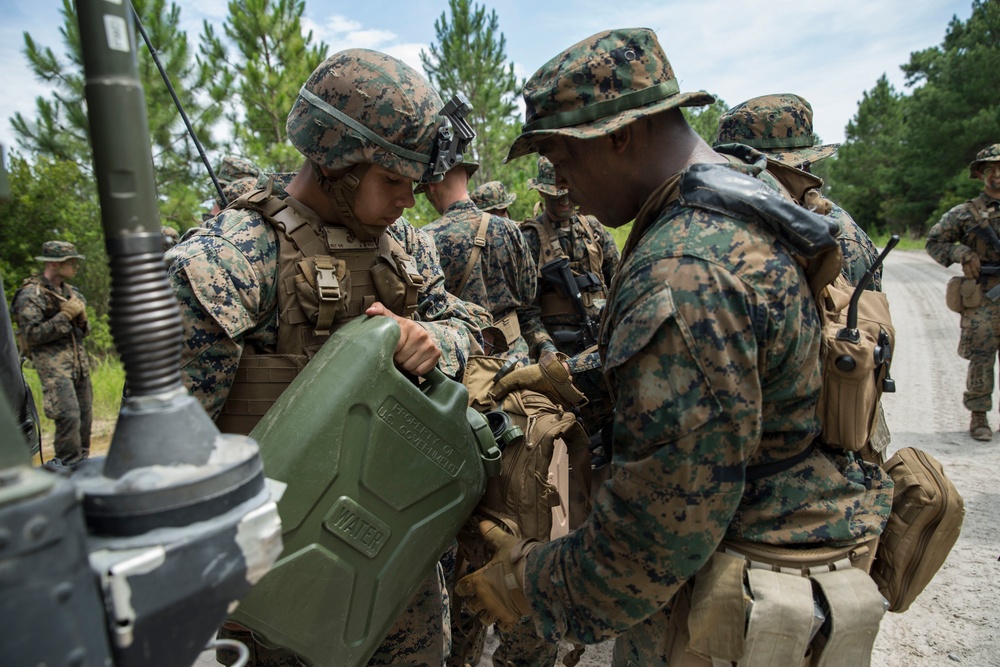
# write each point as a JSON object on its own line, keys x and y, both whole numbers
{"x": 522, "y": 496}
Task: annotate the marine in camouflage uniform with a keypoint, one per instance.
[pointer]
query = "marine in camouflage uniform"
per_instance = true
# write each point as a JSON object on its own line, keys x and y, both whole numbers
{"x": 51, "y": 315}
{"x": 953, "y": 240}
{"x": 366, "y": 123}
{"x": 780, "y": 127}
{"x": 710, "y": 342}
{"x": 500, "y": 275}
{"x": 773, "y": 135}
{"x": 493, "y": 197}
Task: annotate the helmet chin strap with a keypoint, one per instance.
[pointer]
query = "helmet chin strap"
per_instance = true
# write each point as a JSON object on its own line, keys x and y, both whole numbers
{"x": 342, "y": 190}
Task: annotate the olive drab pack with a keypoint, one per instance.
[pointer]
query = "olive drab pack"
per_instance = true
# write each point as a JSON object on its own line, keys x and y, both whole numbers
{"x": 522, "y": 496}
{"x": 326, "y": 277}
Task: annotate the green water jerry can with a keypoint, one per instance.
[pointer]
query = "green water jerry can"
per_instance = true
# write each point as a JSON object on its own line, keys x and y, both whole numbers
{"x": 381, "y": 475}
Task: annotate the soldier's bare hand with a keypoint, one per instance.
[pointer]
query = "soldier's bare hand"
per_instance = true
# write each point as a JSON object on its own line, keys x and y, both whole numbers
{"x": 970, "y": 266}
{"x": 416, "y": 352}
{"x": 73, "y": 308}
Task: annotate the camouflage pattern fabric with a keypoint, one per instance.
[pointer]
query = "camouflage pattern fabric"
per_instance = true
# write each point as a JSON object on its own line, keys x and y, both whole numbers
{"x": 948, "y": 242}
{"x": 711, "y": 340}
{"x": 492, "y": 196}
{"x": 780, "y": 125}
{"x": 58, "y": 355}
{"x": 545, "y": 182}
{"x": 234, "y": 168}
{"x": 225, "y": 280}
{"x": 988, "y": 154}
{"x": 387, "y": 98}
{"x": 573, "y": 236}
{"x": 58, "y": 251}
{"x": 627, "y": 66}
{"x": 505, "y": 276}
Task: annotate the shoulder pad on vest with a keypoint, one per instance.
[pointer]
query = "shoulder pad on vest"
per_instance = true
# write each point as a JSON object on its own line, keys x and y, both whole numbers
{"x": 723, "y": 190}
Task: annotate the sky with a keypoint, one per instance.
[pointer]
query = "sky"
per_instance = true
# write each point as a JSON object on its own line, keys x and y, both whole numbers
{"x": 828, "y": 51}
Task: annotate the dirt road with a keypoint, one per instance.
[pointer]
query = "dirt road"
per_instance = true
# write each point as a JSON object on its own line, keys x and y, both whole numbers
{"x": 956, "y": 621}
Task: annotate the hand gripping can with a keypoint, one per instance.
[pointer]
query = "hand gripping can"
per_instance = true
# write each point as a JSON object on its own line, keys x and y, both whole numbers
{"x": 381, "y": 475}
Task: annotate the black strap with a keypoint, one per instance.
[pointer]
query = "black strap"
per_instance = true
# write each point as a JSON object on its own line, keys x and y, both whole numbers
{"x": 753, "y": 473}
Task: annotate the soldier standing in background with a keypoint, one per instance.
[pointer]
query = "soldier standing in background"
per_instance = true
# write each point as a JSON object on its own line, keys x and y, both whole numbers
{"x": 52, "y": 317}
{"x": 710, "y": 342}
{"x": 967, "y": 234}
{"x": 493, "y": 198}
{"x": 484, "y": 258}
{"x": 268, "y": 280}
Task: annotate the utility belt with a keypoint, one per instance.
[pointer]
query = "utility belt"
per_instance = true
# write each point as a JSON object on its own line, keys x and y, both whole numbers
{"x": 758, "y": 605}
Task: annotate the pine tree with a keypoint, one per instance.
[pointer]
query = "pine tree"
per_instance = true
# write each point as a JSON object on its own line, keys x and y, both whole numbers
{"x": 258, "y": 69}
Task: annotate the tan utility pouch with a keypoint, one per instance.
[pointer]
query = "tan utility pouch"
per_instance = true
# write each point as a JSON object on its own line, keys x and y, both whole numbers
{"x": 926, "y": 518}
{"x": 765, "y": 605}
{"x": 972, "y": 293}
{"x": 953, "y": 294}
{"x": 855, "y": 365}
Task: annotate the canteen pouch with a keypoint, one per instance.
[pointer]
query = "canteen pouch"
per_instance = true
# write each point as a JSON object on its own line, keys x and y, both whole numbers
{"x": 926, "y": 518}
{"x": 381, "y": 474}
{"x": 953, "y": 294}
{"x": 972, "y": 293}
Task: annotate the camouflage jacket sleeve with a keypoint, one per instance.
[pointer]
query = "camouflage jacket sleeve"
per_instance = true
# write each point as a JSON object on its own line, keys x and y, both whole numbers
{"x": 455, "y": 325}
{"x": 225, "y": 283}
{"x": 612, "y": 256}
{"x": 40, "y": 321}
{"x": 530, "y": 315}
{"x": 857, "y": 248}
{"x": 708, "y": 368}
{"x": 944, "y": 240}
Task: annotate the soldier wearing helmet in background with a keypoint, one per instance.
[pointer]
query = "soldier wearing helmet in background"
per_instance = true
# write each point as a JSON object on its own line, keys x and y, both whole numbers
{"x": 493, "y": 198}
{"x": 967, "y": 234}
{"x": 249, "y": 283}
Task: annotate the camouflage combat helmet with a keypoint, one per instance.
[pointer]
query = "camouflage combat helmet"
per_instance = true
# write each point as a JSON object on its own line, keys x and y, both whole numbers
{"x": 361, "y": 106}
{"x": 492, "y": 196}
{"x": 58, "y": 251}
{"x": 779, "y": 125}
{"x": 471, "y": 167}
{"x": 546, "y": 181}
{"x": 598, "y": 86}
{"x": 988, "y": 154}
{"x": 234, "y": 168}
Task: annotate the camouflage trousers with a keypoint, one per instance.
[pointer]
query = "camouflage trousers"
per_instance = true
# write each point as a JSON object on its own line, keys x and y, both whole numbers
{"x": 420, "y": 637}
{"x": 979, "y": 343}
{"x": 519, "y": 646}
{"x": 68, "y": 401}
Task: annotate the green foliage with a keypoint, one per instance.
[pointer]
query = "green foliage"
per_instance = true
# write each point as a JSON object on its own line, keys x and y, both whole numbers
{"x": 905, "y": 160}
{"x": 53, "y": 199}
{"x": 470, "y": 58}
{"x": 257, "y": 75}
{"x": 60, "y": 129}
{"x": 705, "y": 120}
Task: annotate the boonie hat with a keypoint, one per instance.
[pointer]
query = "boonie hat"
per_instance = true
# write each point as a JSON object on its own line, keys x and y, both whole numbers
{"x": 234, "y": 168}
{"x": 988, "y": 154}
{"x": 58, "y": 251}
{"x": 599, "y": 85}
{"x": 779, "y": 125}
{"x": 546, "y": 181}
{"x": 492, "y": 196}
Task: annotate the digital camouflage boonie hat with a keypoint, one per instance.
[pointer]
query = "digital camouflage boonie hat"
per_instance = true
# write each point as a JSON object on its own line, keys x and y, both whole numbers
{"x": 988, "y": 154}
{"x": 779, "y": 125}
{"x": 471, "y": 167}
{"x": 492, "y": 196}
{"x": 365, "y": 106}
{"x": 239, "y": 187}
{"x": 546, "y": 181}
{"x": 598, "y": 86}
{"x": 58, "y": 251}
